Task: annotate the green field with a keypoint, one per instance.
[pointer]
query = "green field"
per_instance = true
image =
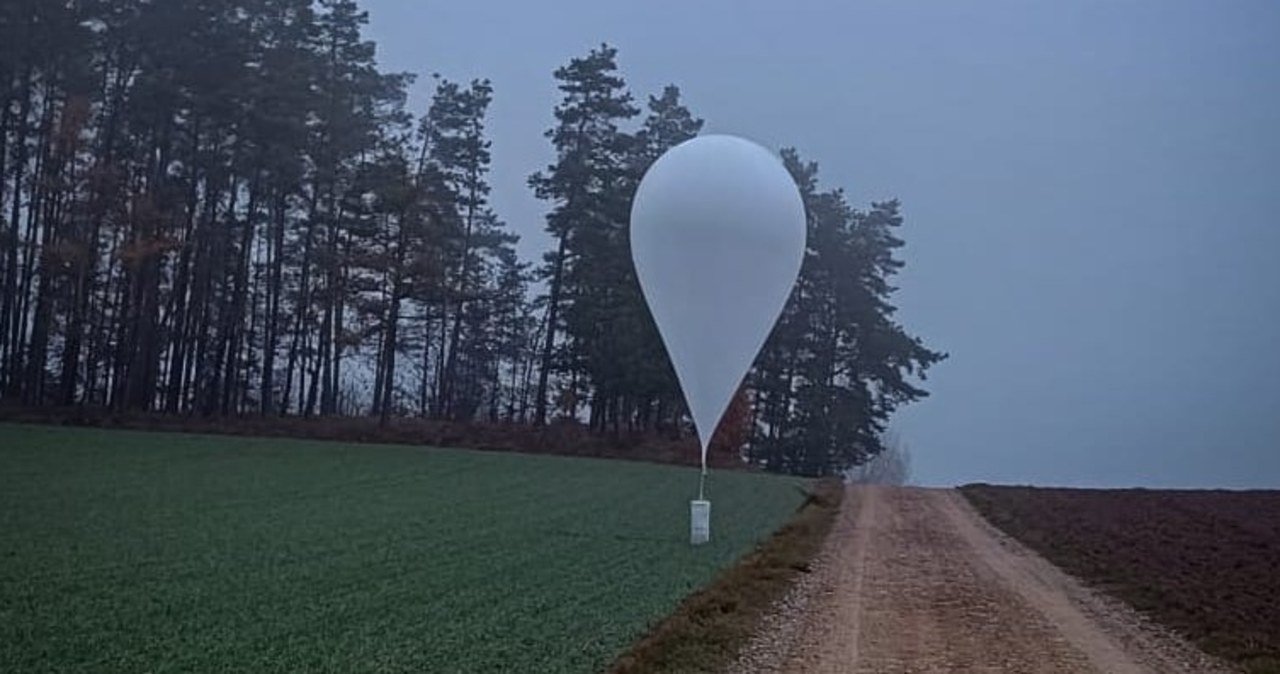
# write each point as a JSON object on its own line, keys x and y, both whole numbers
{"x": 149, "y": 552}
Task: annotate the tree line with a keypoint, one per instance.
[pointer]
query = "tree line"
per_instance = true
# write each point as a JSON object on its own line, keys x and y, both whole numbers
{"x": 225, "y": 208}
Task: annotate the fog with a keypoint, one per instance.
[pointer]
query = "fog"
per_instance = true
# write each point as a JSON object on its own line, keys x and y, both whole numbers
{"x": 1091, "y": 192}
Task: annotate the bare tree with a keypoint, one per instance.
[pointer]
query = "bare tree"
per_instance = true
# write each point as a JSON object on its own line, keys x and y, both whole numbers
{"x": 892, "y": 466}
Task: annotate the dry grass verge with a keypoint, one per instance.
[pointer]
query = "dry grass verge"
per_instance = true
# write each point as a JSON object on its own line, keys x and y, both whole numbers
{"x": 707, "y": 630}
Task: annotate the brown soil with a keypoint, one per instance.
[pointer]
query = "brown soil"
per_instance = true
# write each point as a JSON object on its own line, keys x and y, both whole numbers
{"x": 1205, "y": 563}
{"x": 913, "y": 580}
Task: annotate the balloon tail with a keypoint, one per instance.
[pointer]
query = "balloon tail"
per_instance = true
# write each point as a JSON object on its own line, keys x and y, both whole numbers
{"x": 702, "y": 479}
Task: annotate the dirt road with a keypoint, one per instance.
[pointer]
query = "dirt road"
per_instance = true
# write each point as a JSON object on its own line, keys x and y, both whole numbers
{"x": 913, "y": 580}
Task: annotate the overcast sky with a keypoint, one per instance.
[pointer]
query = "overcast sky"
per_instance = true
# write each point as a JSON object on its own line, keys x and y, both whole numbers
{"x": 1092, "y": 194}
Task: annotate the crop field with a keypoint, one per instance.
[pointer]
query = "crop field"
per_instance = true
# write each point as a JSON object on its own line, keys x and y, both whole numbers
{"x": 126, "y": 551}
{"x": 1205, "y": 563}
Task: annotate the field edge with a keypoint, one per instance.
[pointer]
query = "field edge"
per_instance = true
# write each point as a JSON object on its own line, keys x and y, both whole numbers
{"x": 710, "y": 626}
{"x": 556, "y": 438}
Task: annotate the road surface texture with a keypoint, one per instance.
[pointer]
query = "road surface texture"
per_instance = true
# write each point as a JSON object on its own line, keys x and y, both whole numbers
{"x": 914, "y": 580}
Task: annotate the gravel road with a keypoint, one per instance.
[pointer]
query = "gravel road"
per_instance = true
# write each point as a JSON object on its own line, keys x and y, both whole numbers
{"x": 913, "y": 580}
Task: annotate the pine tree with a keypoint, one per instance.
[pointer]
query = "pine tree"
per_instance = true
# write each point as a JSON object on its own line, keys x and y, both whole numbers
{"x": 649, "y": 388}
{"x": 457, "y": 150}
{"x": 356, "y": 101}
{"x": 836, "y": 366}
{"x": 591, "y": 153}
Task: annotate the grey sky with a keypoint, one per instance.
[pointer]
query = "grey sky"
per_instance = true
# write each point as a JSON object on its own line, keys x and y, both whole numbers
{"x": 1092, "y": 193}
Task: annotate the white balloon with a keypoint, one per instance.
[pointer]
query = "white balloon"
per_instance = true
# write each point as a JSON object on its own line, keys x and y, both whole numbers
{"x": 717, "y": 237}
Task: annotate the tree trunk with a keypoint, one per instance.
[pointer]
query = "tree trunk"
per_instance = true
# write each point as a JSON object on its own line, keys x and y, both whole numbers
{"x": 302, "y": 311}
{"x": 10, "y": 349}
{"x": 330, "y": 335}
{"x": 276, "y": 260}
{"x": 463, "y": 287}
{"x": 86, "y": 266}
{"x": 234, "y": 324}
{"x": 9, "y": 243}
{"x": 424, "y": 386}
{"x": 553, "y": 306}
{"x": 389, "y": 347}
{"x": 59, "y": 171}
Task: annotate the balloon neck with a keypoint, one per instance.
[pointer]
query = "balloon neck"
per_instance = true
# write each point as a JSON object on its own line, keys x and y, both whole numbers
{"x": 702, "y": 478}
